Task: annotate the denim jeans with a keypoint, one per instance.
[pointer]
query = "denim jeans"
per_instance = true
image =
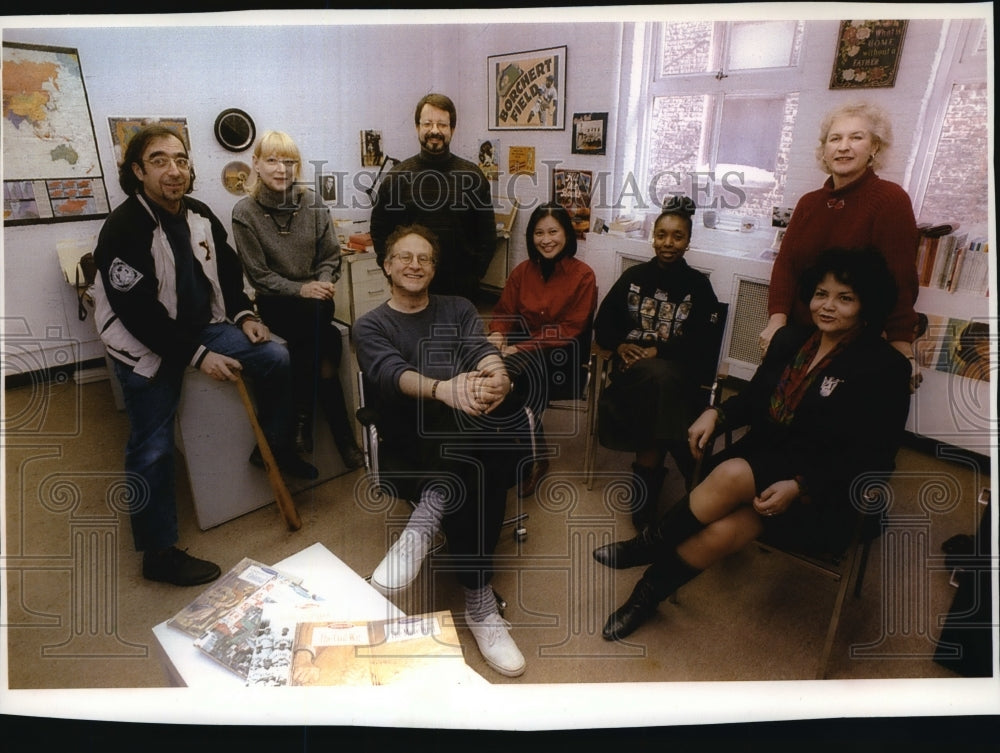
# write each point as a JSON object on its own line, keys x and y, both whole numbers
{"x": 151, "y": 405}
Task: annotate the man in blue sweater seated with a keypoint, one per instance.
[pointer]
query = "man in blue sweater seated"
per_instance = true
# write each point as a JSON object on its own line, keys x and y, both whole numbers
{"x": 450, "y": 419}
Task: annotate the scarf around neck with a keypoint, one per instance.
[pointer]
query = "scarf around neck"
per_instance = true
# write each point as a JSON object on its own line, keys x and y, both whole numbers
{"x": 798, "y": 377}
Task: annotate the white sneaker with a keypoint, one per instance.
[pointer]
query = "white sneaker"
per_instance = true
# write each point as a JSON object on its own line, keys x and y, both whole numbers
{"x": 402, "y": 562}
{"x": 496, "y": 645}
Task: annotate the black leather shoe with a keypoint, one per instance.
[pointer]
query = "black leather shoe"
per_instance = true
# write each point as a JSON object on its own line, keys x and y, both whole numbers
{"x": 178, "y": 568}
{"x": 639, "y": 550}
{"x": 288, "y": 463}
{"x": 641, "y": 605}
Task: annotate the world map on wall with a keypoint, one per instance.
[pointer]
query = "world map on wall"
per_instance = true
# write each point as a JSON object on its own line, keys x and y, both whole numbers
{"x": 51, "y": 166}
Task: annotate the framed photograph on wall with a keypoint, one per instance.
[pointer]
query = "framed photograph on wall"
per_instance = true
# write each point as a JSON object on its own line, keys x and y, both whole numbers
{"x": 572, "y": 189}
{"x": 489, "y": 158}
{"x": 326, "y": 187}
{"x": 589, "y": 133}
{"x": 527, "y": 90}
{"x": 371, "y": 148}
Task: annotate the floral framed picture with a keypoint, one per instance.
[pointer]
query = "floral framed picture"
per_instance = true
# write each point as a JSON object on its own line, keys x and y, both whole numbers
{"x": 868, "y": 54}
{"x": 589, "y": 133}
{"x": 527, "y": 90}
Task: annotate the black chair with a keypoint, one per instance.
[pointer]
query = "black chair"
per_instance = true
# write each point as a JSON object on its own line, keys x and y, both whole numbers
{"x": 576, "y": 394}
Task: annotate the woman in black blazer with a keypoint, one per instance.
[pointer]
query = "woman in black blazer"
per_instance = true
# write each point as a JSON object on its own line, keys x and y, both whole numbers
{"x": 826, "y": 407}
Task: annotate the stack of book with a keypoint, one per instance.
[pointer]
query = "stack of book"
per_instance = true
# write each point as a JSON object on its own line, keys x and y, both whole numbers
{"x": 303, "y": 646}
{"x": 359, "y": 243}
{"x": 948, "y": 259}
{"x": 263, "y": 626}
{"x": 224, "y": 619}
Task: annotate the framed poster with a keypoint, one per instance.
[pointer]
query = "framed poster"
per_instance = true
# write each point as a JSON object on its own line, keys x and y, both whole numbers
{"x": 589, "y": 133}
{"x": 51, "y": 168}
{"x": 868, "y": 54}
{"x": 123, "y": 129}
{"x": 527, "y": 90}
{"x": 572, "y": 189}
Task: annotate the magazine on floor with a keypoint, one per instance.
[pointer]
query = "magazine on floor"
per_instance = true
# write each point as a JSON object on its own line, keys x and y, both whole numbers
{"x": 223, "y": 595}
{"x": 302, "y": 646}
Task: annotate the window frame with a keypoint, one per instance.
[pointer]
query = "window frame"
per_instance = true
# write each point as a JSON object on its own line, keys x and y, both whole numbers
{"x": 745, "y": 83}
{"x": 966, "y": 66}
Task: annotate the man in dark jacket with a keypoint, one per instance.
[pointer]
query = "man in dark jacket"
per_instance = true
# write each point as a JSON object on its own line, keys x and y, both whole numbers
{"x": 445, "y": 193}
{"x": 169, "y": 296}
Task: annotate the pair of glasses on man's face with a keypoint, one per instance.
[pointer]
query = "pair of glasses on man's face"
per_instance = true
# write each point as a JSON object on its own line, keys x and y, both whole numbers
{"x": 424, "y": 260}
{"x": 161, "y": 162}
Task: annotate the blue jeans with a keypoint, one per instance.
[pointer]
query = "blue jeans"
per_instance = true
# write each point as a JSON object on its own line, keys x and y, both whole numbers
{"x": 151, "y": 405}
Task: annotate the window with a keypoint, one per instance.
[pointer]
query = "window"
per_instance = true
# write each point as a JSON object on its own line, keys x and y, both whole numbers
{"x": 723, "y": 104}
{"x": 714, "y": 117}
{"x": 957, "y": 187}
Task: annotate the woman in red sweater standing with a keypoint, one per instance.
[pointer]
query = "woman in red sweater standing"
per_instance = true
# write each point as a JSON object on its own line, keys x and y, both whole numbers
{"x": 543, "y": 321}
{"x": 854, "y": 208}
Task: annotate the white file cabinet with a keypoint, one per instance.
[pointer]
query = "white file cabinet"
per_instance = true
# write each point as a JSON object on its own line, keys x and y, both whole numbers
{"x": 362, "y": 286}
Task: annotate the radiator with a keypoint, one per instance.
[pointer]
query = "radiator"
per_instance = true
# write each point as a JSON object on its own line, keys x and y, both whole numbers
{"x": 747, "y": 317}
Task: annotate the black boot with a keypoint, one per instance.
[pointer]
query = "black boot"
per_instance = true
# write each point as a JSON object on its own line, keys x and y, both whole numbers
{"x": 646, "y": 486}
{"x": 331, "y": 396}
{"x": 659, "y": 581}
{"x": 679, "y": 524}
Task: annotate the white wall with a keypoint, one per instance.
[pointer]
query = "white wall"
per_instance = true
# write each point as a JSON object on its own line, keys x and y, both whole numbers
{"x": 324, "y": 84}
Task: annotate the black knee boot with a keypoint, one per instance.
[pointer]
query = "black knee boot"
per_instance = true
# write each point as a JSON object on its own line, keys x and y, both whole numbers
{"x": 331, "y": 396}
{"x": 660, "y": 580}
{"x": 679, "y": 524}
{"x": 646, "y": 486}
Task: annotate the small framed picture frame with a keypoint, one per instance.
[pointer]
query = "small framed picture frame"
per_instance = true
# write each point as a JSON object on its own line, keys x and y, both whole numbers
{"x": 326, "y": 187}
{"x": 589, "y": 133}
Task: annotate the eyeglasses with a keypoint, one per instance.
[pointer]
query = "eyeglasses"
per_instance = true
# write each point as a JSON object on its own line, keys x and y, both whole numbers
{"x": 424, "y": 260}
{"x": 161, "y": 162}
{"x": 681, "y": 204}
{"x": 430, "y": 124}
{"x": 288, "y": 164}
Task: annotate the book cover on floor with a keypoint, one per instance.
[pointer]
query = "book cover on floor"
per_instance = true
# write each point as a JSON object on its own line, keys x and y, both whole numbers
{"x": 230, "y": 641}
{"x": 226, "y": 593}
{"x": 303, "y": 647}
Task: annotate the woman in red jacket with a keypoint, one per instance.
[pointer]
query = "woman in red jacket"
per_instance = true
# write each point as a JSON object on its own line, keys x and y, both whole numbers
{"x": 853, "y": 209}
{"x": 542, "y": 322}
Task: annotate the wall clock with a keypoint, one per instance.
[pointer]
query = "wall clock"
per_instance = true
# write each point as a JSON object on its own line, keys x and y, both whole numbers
{"x": 235, "y": 130}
